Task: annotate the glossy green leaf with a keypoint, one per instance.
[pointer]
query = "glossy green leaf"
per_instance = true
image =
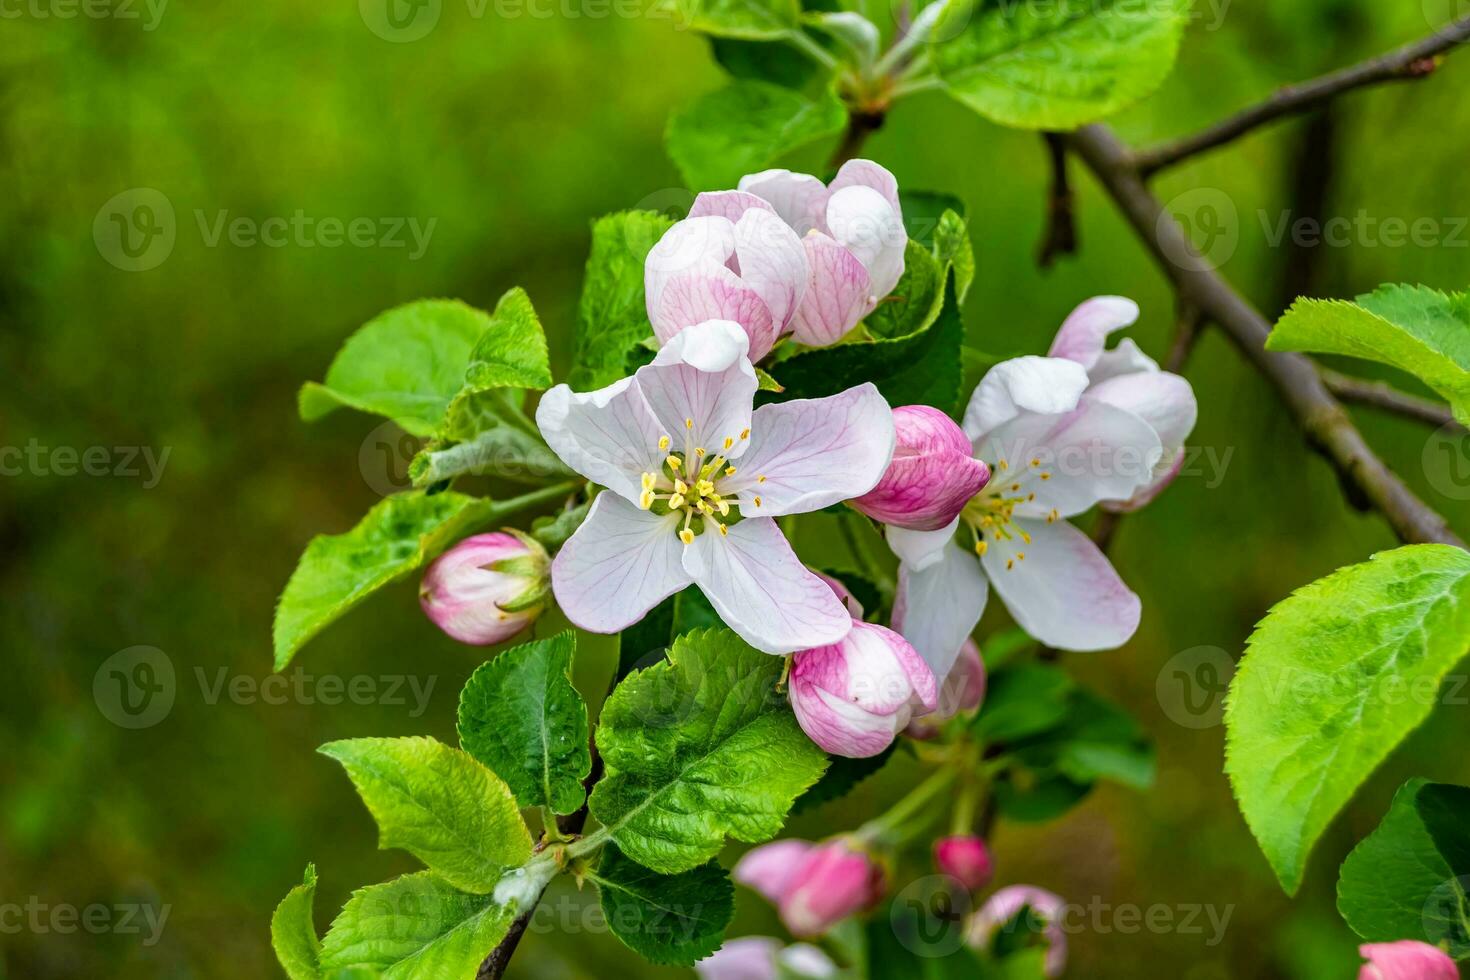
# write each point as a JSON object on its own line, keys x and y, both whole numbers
{"x": 748, "y": 19}
{"x": 699, "y": 747}
{"x": 672, "y": 920}
{"x": 1023, "y": 701}
{"x": 1332, "y": 682}
{"x": 842, "y": 776}
{"x": 293, "y": 933}
{"x": 914, "y": 303}
{"x": 1056, "y": 65}
{"x": 1408, "y": 879}
{"x": 1413, "y": 328}
{"x": 440, "y": 805}
{"x": 744, "y": 127}
{"x": 612, "y": 319}
{"x": 418, "y": 927}
{"x": 520, "y": 715}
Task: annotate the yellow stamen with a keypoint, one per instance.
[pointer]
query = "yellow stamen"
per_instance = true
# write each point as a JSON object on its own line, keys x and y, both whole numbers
{"x": 686, "y": 536}
{"x": 688, "y": 423}
{"x": 724, "y": 509}
{"x": 729, "y": 471}
{"x": 745, "y": 434}
{"x": 1010, "y": 564}
{"x": 1046, "y": 476}
{"x": 1020, "y": 556}
{"x": 760, "y": 479}
{"x": 681, "y": 487}
{"x": 648, "y": 479}
{"x": 723, "y": 529}
{"x": 729, "y": 442}
{"x": 757, "y": 501}
{"x": 1026, "y": 538}
{"x": 676, "y": 501}
{"x": 699, "y": 452}
{"x": 673, "y": 463}
{"x": 1002, "y": 464}
{"x": 645, "y": 499}
{"x": 981, "y": 547}
{"x": 663, "y": 444}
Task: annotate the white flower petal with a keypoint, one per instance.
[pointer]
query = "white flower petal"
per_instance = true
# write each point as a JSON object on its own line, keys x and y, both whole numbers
{"x": 1084, "y": 333}
{"x": 800, "y": 199}
{"x": 711, "y": 346}
{"x": 937, "y": 607}
{"x": 610, "y": 435}
{"x": 919, "y": 549}
{"x": 866, "y": 173}
{"x": 714, "y": 294}
{"x": 694, "y": 244}
{"x": 772, "y": 262}
{"x": 1126, "y": 358}
{"x": 1065, "y": 593}
{"x": 1073, "y": 461}
{"x": 727, "y": 204}
{"x": 837, "y": 295}
{"x": 863, "y": 222}
{"x": 762, "y": 590}
{"x": 700, "y": 409}
{"x": 1049, "y": 385}
{"x": 618, "y": 565}
{"x": 1165, "y": 401}
{"x": 808, "y": 453}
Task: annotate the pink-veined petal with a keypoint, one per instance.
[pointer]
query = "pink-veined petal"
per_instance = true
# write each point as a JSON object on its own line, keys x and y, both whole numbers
{"x": 836, "y": 297}
{"x": 772, "y": 262}
{"x": 1084, "y": 334}
{"x": 711, "y": 346}
{"x": 863, "y": 222}
{"x": 800, "y": 199}
{"x": 1165, "y": 401}
{"x": 700, "y": 409}
{"x": 1064, "y": 592}
{"x": 690, "y": 245}
{"x": 714, "y": 294}
{"x": 1126, "y": 358}
{"x": 727, "y": 204}
{"x": 919, "y": 549}
{"x": 610, "y": 435}
{"x": 866, "y": 173}
{"x": 1045, "y": 385}
{"x": 1071, "y": 462}
{"x": 618, "y": 565}
{"x": 1406, "y": 959}
{"x": 762, "y": 590}
{"x": 809, "y": 453}
{"x": 937, "y": 607}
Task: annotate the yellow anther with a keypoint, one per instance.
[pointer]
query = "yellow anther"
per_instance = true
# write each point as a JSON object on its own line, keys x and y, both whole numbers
{"x": 724, "y": 508}
{"x": 648, "y": 479}
{"x": 1001, "y": 464}
{"x": 673, "y": 463}
{"x": 687, "y": 536}
{"x": 705, "y": 488}
{"x": 645, "y": 499}
{"x": 663, "y": 443}
{"x": 981, "y": 547}
{"x": 1046, "y": 476}
{"x": 760, "y": 479}
{"x": 1015, "y": 487}
{"x": 1026, "y": 538}
{"x": 757, "y": 501}
{"x": 676, "y": 501}
{"x": 1036, "y": 462}
{"x": 699, "y": 452}
{"x": 1030, "y": 497}
{"x": 1052, "y": 517}
{"x": 745, "y": 434}
{"x": 723, "y": 529}
{"x": 729, "y": 442}
{"x": 681, "y": 487}
{"x": 1010, "y": 564}
{"x": 688, "y": 423}
{"x": 705, "y": 508}
{"x": 729, "y": 471}
{"x": 1020, "y": 556}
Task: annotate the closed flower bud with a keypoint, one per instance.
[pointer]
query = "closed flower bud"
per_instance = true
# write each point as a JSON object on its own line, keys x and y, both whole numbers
{"x": 853, "y": 697}
{"x": 932, "y": 476}
{"x": 962, "y": 690}
{"x": 487, "y": 588}
{"x": 1406, "y": 960}
{"x": 966, "y": 859}
{"x": 1043, "y": 918}
{"x": 814, "y": 886}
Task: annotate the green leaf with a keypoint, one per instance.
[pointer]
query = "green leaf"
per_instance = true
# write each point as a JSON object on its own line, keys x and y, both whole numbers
{"x": 554, "y": 530}
{"x": 1413, "y": 328}
{"x": 699, "y": 747}
{"x": 920, "y": 368}
{"x": 511, "y": 352}
{"x": 612, "y": 318}
{"x": 520, "y": 715}
{"x": 748, "y": 19}
{"x": 440, "y": 805}
{"x": 693, "y": 611}
{"x": 1407, "y": 879}
{"x": 672, "y": 920}
{"x": 744, "y": 127}
{"x": 914, "y": 303}
{"x": 293, "y": 934}
{"x": 505, "y": 450}
{"x": 923, "y": 210}
{"x": 842, "y": 777}
{"x": 1322, "y": 695}
{"x": 1023, "y": 701}
{"x": 338, "y": 571}
{"x": 1056, "y": 65}
{"x": 952, "y": 248}
{"x": 417, "y": 927}
{"x": 763, "y": 61}
{"x": 406, "y": 364}
{"x": 650, "y": 636}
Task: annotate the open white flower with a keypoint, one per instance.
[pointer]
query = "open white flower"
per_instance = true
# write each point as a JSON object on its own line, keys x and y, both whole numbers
{"x": 696, "y": 479}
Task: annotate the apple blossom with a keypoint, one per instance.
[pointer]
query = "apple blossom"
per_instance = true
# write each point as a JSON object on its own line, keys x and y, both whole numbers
{"x": 1057, "y": 447}
{"x": 764, "y": 958}
{"x": 1406, "y": 960}
{"x": 932, "y": 476}
{"x": 487, "y": 588}
{"x": 813, "y": 886}
{"x": 853, "y": 235}
{"x": 962, "y": 690}
{"x": 695, "y": 480}
{"x": 965, "y": 858}
{"x": 853, "y": 697}
{"x": 1001, "y": 911}
{"x": 731, "y": 260}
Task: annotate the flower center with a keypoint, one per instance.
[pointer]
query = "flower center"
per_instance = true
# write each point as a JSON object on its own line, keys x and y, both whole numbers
{"x": 990, "y": 514}
{"x": 689, "y": 484}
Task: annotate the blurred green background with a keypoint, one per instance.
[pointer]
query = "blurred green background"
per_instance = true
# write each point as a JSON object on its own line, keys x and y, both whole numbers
{"x": 510, "y": 132}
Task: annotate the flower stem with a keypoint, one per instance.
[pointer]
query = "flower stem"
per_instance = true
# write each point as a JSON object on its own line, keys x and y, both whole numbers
{"x": 501, "y": 509}
{"x": 907, "y": 808}
{"x": 803, "y": 42}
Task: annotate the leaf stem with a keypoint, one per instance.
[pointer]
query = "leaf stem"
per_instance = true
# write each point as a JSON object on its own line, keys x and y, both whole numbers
{"x": 803, "y": 42}
{"x": 906, "y": 809}
{"x": 501, "y": 509}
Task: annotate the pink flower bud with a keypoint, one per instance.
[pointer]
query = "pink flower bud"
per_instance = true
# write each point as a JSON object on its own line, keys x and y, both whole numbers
{"x": 817, "y": 885}
{"x": 762, "y": 958}
{"x": 855, "y": 696}
{"x": 932, "y": 476}
{"x": 1001, "y": 912}
{"x": 1406, "y": 960}
{"x": 487, "y": 588}
{"x": 964, "y": 858}
{"x": 963, "y": 690}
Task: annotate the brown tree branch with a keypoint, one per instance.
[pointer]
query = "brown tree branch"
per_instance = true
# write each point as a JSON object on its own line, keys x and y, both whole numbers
{"x": 1323, "y": 420}
{"x": 860, "y": 125}
{"x": 1061, "y": 225}
{"x": 1380, "y": 394}
{"x": 1411, "y": 62}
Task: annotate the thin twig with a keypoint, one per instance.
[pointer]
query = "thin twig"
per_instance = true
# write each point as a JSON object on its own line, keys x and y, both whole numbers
{"x": 1381, "y": 394}
{"x": 1411, "y": 62}
{"x": 1061, "y": 225}
{"x": 860, "y": 125}
{"x": 1323, "y": 420}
